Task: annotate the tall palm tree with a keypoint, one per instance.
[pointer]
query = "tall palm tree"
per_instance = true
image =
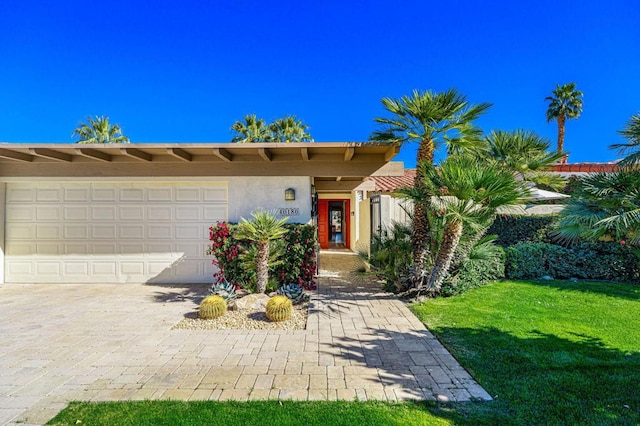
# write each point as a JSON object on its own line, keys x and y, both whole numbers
{"x": 252, "y": 129}
{"x": 525, "y": 153}
{"x": 465, "y": 193}
{"x": 606, "y": 206}
{"x": 290, "y": 129}
{"x": 262, "y": 229}
{"x": 430, "y": 119}
{"x": 632, "y": 133}
{"x": 98, "y": 130}
{"x": 566, "y": 103}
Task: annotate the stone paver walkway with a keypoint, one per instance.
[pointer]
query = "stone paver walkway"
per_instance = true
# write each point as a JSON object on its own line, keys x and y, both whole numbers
{"x": 113, "y": 342}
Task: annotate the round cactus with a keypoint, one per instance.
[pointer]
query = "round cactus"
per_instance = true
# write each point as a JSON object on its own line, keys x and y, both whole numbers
{"x": 212, "y": 307}
{"x": 294, "y": 292}
{"x": 279, "y": 308}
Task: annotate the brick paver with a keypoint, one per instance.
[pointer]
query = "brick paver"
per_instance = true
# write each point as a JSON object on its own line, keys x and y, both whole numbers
{"x": 113, "y": 342}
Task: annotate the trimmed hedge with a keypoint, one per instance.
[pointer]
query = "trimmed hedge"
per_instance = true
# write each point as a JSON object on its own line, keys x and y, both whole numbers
{"x": 591, "y": 261}
{"x": 513, "y": 230}
{"x": 299, "y": 259}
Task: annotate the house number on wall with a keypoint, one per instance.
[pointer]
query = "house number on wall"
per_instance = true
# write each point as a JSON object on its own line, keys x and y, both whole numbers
{"x": 289, "y": 211}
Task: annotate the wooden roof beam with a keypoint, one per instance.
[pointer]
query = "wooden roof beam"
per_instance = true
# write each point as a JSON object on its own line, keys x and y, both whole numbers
{"x": 223, "y": 154}
{"x": 391, "y": 153}
{"x": 265, "y": 154}
{"x": 305, "y": 153}
{"x": 15, "y": 155}
{"x": 94, "y": 154}
{"x": 51, "y": 154}
{"x": 348, "y": 154}
{"x": 137, "y": 154}
{"x": 180, "y": 153}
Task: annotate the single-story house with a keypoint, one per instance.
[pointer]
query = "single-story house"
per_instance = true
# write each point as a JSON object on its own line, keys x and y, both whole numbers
{"x": 124, "y": 213}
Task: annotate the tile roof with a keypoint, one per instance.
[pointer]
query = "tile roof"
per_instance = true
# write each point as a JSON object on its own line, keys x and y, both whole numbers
{"x": 391, "y": 183}
{"x": 585, "y": 167}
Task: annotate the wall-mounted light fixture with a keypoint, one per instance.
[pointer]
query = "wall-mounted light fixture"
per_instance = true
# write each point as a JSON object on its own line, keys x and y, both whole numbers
{"x": 290, "y": 194}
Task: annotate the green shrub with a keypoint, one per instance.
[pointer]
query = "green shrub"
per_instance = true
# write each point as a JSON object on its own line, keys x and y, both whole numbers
{"x": 486, "y": 262}
{"x": 513, "y": 230}
{"x": 390, "y": 255}
{"x": 593, "y": 261}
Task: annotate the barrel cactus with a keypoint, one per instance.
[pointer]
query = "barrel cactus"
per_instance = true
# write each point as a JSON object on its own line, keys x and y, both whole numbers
{"x": 294, "y": 292}
{"x": 224, "y": 289}
{"x": 279, "y": 308}
{"x": 212, "y": 307}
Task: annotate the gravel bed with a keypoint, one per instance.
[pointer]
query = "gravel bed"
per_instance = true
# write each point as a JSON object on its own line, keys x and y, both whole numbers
{"x": 245, "y": 320}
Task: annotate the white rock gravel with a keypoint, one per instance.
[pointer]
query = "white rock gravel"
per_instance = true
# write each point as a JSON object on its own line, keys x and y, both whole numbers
{"x": 246, "y": 320}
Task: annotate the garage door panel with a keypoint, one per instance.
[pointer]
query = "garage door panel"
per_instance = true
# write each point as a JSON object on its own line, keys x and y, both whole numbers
{"x": 135, "y": 213}
{"x": 111, "y": 232}
{"x": 103, "y": 213}
{"x": 21, "y": 213}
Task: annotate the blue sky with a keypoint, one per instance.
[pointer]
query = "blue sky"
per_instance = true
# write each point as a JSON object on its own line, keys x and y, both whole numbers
{"x": 184, "y": 71}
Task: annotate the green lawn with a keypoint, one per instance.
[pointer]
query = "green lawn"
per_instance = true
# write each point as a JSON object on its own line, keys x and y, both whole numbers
{"x": 254, "y": 413}
{"x": 550, "y": 353}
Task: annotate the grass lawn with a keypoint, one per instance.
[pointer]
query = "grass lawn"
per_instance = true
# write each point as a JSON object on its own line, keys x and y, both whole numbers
{"x": 254, "y": 413}
{"x": 550, "y": 352}
{"x": 553, "y": 352}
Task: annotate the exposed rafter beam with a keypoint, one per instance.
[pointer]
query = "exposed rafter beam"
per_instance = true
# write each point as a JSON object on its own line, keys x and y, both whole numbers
{"x": 348, "y": 154}
{"x": 305, "y": 153}
{"x": 223, "y": 154}
{"x": 14, "y": 155}
{"x": 137, "y": 154}
{"x": 264, "y": 153}
{"x": 339, "y": 178}
{"x": 53, "y": 155}
{"x": 94, "y": 154}
{"x": 391, "y": 153}
{"x": 180, "y": 153}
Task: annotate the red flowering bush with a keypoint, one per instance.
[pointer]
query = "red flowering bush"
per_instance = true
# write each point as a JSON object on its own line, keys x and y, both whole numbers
{"x": 298, "y": 262}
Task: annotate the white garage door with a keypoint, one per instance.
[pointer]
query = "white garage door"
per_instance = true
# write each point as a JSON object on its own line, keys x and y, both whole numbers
{"x": 111, "y": 232}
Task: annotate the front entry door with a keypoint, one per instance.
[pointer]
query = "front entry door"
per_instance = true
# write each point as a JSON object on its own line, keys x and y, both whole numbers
{"x": 333, "y": 223}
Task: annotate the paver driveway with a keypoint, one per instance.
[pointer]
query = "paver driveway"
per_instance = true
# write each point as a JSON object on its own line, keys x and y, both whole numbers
{"x": 113, "y": 342}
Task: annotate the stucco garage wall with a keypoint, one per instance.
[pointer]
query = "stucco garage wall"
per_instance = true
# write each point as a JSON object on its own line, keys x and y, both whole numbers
{"x": 248, "y": 193}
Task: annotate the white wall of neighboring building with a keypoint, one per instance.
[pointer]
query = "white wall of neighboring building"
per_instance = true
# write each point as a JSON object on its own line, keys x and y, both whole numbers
{"x": 246, "y": 194}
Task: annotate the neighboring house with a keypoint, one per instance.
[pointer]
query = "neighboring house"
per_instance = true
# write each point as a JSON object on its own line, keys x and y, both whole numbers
{"x": 581, "y": 169}
{"x": 142, "y": 212}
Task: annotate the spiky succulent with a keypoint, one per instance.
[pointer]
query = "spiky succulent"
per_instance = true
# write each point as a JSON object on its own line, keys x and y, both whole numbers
{"x": 279, "y": 308}
{"x": 212, "y": 307}
{"x": 294, "y": 292}
{"x": 224, "y": 289}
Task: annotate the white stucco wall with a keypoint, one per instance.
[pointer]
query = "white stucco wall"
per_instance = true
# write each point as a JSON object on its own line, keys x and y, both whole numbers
{"x": 249, "y": 193}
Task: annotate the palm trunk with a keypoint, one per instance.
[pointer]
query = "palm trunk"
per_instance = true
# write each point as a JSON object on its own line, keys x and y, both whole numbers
{"x": 420, "y": 238}
{"x": 262, "y": 267}
{"x": 561, "y": 122}
{"x": 450, "y": 240}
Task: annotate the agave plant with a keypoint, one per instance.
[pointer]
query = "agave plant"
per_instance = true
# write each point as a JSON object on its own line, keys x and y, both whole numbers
{"x": 293, "y": 292}
{"x": 224, "y": 289}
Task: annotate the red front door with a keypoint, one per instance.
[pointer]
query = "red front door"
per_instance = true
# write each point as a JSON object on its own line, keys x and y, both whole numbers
{"x": 323, "y": 223}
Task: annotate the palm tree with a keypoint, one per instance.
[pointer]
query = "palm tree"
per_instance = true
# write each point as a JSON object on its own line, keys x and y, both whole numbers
{"x": 632, "y": 133}
{"x": 465, "y": 194}
{"x": 525, "y": 153}
{"x": 262, "y": 229}
{"x": 606, "y": 206}
{"x": 565, "y": 103}
{"x": 290, "y": 129}
{"x": 430, "y": 119}
{"x": 98, "y": 130}
{"x": 251, "y": 130}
